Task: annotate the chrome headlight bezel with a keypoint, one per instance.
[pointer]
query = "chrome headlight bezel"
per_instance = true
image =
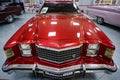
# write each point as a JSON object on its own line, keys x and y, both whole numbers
{"x": 25, "y": 50}
{"x": 92, "y": 50}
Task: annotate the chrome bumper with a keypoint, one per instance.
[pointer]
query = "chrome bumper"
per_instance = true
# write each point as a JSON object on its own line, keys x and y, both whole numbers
{"x": 85, "y": 68}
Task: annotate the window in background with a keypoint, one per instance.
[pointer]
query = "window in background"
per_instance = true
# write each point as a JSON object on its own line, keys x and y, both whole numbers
{"x": 108, "y": 2}
{"x": 114, "y": 1}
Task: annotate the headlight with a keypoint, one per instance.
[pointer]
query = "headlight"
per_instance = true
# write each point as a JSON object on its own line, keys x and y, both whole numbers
{"x": 92, "y": 49}
{"x": 25, "y": 49}
{"x": 109, "y": 53}
{"x": 25, "y": 46}
{"x": 93, "y": 46}
{"x": 9, "y": 53}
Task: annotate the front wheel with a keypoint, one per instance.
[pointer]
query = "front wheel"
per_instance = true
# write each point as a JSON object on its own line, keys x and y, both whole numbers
{"x": 100, "y": 20}
{"x": 10, "y": 18}
{"x": 22, "y": 12}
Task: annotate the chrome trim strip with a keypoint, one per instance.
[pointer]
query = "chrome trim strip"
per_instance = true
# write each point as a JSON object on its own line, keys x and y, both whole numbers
{"x": 63, "y": 49}
{"x": 84, "y": 67}
{"x": 34, "y": 66}
{"x": 59, "y": 62}
{"x": 60, "y": 70}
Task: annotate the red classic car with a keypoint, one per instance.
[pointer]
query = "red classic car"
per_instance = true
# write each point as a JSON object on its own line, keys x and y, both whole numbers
{"x": 7, "y": 13}
{"x": 59, "y": 42}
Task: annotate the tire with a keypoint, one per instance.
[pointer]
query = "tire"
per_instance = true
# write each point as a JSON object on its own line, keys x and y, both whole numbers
{"x": 100, "y": 20}
{"x": 22, "y": 12}
{"x": 10, "y": 19}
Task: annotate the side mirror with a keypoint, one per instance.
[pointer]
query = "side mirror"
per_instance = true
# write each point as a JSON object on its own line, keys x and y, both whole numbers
{"x": 37, "y": 11}
{"x": 82, "y": 11}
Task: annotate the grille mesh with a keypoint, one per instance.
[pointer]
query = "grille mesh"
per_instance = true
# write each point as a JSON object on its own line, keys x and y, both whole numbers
{"x": 58, "y": 56}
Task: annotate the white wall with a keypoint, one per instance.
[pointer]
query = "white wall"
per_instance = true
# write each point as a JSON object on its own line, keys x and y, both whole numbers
{"x": 85, "y": 2}
{"x": 119, "y": 2}
{"x": 82, "y": 4}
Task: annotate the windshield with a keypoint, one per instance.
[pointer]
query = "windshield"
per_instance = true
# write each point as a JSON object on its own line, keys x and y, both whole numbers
{"x": 58, "y": 8}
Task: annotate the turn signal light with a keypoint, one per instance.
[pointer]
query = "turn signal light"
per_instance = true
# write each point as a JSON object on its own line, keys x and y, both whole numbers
{"x": 9, "y": 53}
{"x": 109, "y": 53}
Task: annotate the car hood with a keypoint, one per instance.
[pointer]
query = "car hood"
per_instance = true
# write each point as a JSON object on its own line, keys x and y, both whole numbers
{"x": 59, "y": 27}
{"x": 62, "y": 30}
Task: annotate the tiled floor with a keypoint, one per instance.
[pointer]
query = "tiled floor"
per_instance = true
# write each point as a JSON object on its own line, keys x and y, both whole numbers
{"x": 6, "y": 30}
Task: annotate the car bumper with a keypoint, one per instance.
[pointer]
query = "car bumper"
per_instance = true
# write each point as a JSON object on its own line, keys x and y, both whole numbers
{"x": 60, "y": 72}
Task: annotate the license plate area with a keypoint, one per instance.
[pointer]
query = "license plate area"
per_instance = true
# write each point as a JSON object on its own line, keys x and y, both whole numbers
{"x": 59, "y": 75}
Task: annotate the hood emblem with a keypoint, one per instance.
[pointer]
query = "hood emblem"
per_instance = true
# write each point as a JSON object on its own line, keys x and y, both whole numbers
{"x": 74, "y": 55}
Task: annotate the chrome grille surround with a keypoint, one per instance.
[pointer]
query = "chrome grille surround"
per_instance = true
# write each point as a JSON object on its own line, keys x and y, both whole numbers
{"x": 59, "y": 55}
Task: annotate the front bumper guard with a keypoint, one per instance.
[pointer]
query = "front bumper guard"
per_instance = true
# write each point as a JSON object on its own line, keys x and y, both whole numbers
{"x": 81, "y": 68}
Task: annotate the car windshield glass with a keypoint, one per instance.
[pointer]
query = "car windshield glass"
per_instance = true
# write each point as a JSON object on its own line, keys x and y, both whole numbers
{"x": 58, "y": 8}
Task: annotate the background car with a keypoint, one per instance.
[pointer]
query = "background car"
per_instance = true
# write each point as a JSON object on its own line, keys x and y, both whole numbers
{"x": 105, "y": 13}
{"x": 8, "y": 12}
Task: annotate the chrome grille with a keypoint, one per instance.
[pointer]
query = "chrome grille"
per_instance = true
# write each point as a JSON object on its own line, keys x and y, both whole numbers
{"x": 58, "y": 56}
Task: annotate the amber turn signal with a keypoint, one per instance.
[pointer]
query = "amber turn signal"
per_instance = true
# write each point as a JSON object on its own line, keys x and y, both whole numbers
{"x": 109, "y": 53}
{"x": 9, "y": 53}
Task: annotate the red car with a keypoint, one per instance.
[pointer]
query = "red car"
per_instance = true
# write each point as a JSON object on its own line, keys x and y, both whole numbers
{"x": 59, "y": 42}
{"x": 7, "y": 13}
